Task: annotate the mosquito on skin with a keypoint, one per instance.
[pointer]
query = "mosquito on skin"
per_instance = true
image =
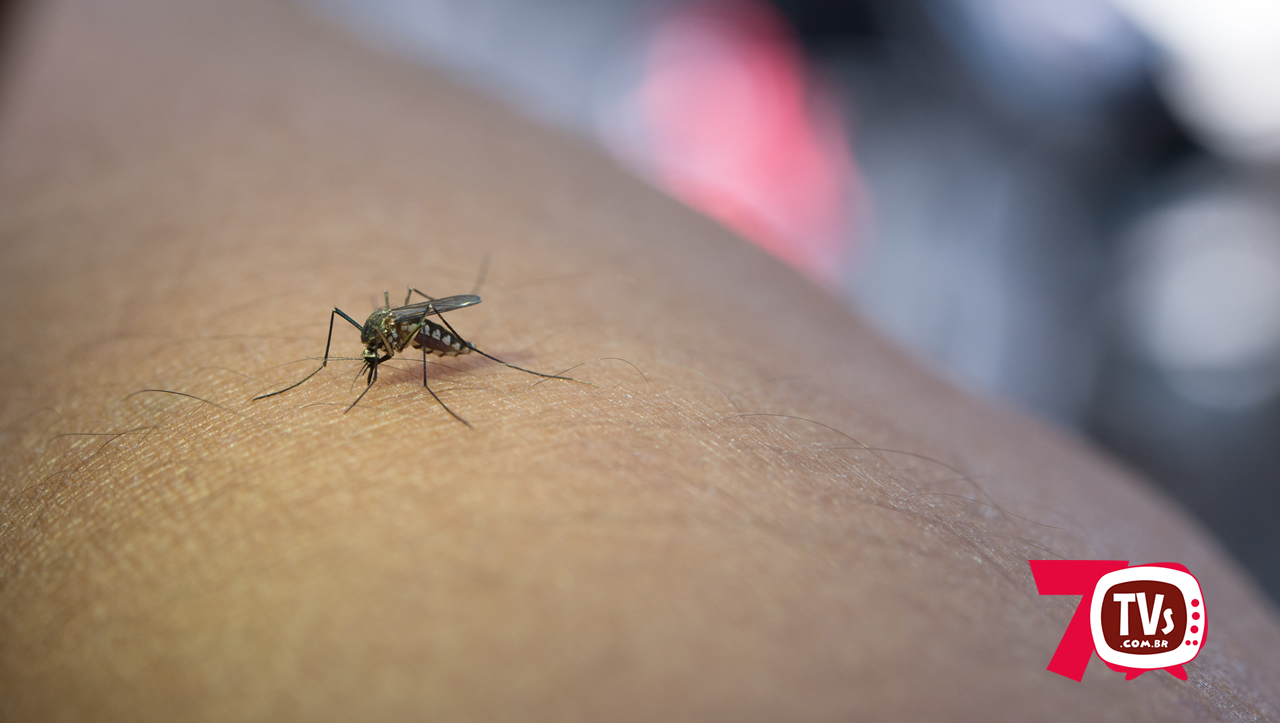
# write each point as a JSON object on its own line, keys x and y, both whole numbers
{"x": 390, "y": 330}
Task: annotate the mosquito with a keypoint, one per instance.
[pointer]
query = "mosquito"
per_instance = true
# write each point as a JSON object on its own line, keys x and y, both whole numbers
{"x": 390, "y": 330}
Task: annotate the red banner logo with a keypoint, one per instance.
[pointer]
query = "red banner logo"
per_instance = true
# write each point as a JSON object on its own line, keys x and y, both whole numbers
{"x": 1137, "y": 619}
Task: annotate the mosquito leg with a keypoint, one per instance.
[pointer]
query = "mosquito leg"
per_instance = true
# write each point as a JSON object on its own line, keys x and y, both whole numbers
{"x": 480, "y": 277}
{"x": 409, "y": 295}
{"x": 357, "y": 401}
{"x": 432, "y": 392}
{"x": 527, "y": 371}
{"x": 327, "y": 344}
{"x": 473, "y": 348}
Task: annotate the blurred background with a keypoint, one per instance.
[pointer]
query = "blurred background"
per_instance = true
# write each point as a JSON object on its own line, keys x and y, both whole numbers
{"x": 1068, "y": 203}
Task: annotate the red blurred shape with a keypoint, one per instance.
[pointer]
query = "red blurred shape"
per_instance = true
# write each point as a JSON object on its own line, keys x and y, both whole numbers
{"x": 739, "y": 134}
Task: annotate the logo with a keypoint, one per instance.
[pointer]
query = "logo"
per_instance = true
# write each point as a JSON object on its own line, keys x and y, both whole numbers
{"x": 1137, "y": 619}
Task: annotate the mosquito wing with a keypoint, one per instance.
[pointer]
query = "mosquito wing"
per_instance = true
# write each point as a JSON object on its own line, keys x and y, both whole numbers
{"x": 439, "y": 306}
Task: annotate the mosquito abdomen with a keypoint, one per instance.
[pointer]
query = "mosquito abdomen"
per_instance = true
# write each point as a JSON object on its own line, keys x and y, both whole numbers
{"x": 439, "y": 340}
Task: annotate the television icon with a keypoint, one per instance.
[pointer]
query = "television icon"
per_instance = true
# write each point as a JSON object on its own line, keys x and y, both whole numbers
{"x": 1147, "y": 617}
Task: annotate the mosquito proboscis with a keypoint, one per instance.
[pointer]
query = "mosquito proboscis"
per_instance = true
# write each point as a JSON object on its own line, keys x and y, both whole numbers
{"x": 390, "y": 330}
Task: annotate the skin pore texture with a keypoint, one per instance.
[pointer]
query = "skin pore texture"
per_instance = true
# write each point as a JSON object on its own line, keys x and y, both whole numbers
{"x": 760, "y": 510}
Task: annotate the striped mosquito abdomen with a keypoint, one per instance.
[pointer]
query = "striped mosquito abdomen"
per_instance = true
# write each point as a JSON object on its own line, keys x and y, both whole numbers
{"x": 438, "y": 340}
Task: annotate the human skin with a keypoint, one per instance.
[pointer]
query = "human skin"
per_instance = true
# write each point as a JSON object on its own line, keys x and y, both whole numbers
{"x": 758, "y": 510}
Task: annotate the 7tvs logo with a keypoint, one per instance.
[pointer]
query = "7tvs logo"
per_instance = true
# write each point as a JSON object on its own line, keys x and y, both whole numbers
{"x": 1140, "y": 618}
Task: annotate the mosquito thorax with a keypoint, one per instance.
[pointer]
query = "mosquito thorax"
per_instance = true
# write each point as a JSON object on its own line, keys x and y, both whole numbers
{"x": 380, "y": 325}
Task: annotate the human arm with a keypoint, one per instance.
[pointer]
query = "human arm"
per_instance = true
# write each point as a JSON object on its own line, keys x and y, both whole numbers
{"x": 761, "y": 510}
